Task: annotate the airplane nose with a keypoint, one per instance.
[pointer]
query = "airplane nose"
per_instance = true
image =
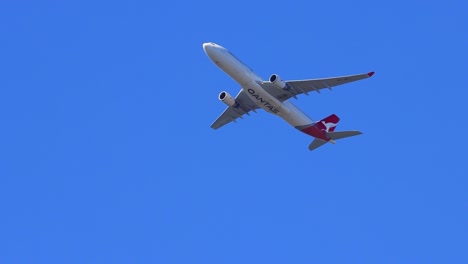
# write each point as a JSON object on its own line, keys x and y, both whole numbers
{"x": 207, "y": 46}
{"x": 212, "y": 51}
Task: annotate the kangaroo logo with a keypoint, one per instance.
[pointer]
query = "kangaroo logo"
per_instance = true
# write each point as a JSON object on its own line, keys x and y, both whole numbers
{"x": 328, "y": 126}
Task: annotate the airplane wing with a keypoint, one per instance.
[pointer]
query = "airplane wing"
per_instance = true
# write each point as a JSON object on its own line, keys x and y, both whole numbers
{"x": 312, "y": 85}
{"x": 232, "y": 113}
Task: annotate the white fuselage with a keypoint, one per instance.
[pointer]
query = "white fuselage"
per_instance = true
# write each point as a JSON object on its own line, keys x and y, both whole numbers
{"x": 248, "y": 80}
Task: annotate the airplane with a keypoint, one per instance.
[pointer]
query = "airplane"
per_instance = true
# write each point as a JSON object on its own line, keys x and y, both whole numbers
{"x": 273, "y": 97}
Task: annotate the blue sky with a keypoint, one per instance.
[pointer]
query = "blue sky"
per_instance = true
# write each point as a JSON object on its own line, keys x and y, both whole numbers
{"x": 106, "y": 154}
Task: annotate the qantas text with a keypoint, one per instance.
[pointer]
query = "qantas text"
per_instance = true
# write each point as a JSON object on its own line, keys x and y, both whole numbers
{"x": 264, "y": 102}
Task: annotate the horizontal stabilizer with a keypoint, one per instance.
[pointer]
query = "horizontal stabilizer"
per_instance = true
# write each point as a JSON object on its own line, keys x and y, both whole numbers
{"x": 343, "y": 134}
{"x": 316, "y": 143}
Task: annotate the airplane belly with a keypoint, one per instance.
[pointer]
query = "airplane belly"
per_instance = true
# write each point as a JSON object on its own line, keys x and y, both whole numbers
{"x": 236, "y": 70}
{"x": 286, "y": 110}
{"x": 296, "y": 117}
{"x": 264, "y": 100}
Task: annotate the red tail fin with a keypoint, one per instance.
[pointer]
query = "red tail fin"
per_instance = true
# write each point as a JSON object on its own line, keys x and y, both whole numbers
{"x": 328, "y": 124}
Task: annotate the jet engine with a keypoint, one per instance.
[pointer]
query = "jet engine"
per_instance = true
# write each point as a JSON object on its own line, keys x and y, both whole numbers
{"x": 226, "y": 98}
{"x": 276, "y": 80}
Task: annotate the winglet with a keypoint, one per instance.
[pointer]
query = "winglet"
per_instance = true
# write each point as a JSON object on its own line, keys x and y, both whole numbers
{"x": 370, "y": 74}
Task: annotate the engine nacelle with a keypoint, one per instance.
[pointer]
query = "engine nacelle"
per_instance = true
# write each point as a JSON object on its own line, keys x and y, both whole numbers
{"x": 276, "y": 80}
{"x": 226, "y": 98}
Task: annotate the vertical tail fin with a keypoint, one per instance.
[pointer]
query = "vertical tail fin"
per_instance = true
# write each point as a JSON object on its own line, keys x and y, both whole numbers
{"x": 328, "y": 123}
{"x": 327, "y": 126}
